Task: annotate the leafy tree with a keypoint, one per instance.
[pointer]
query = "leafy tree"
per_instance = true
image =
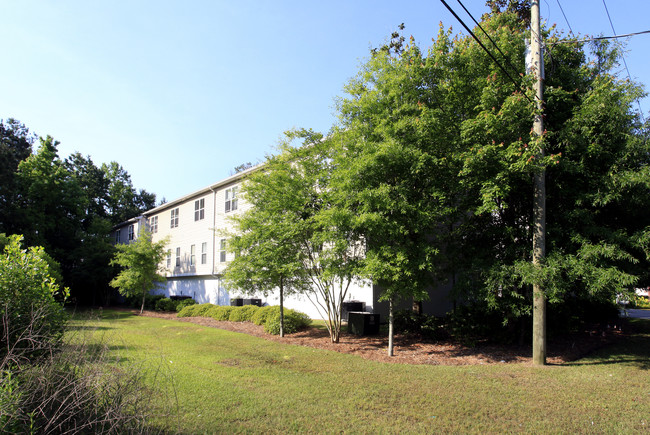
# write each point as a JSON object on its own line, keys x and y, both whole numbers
{"x": 397, "y": 170}
{"x": 124, "y": 201}
{"x": 51, "y": 204}
{"x": 140, "y": 261}
{"x": 292, "y": 238}
{"x": 437, "y": 161}
{"x": 15, "y": 146}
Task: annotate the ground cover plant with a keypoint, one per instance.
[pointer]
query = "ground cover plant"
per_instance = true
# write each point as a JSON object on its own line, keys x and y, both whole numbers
{"x": 228, "y": 382}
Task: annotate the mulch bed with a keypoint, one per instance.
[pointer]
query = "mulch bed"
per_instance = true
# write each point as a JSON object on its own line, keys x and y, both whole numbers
{"x": 410, "y": 349}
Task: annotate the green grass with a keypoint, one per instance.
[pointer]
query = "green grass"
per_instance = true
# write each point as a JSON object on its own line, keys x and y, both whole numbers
{"x": 227, "y": 382}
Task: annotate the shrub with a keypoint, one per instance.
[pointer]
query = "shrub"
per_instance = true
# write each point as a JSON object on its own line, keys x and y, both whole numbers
{"x": 221, "y": 313}
{"x": 184, "y": 303}
{"x": 243, "y": 314}
{"x": 293, "y": 321}
{"x": 166, "y": 304}
{"x": 260, "y": 316}
{"x": 200, "y": 310}
{"x": 31, "y": 319}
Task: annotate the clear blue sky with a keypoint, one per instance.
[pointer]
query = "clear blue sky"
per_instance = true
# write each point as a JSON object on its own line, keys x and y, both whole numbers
{"x": 180, "y": 92}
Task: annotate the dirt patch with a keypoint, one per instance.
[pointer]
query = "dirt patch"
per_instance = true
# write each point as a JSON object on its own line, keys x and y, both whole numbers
{"x": 411, "y": 349}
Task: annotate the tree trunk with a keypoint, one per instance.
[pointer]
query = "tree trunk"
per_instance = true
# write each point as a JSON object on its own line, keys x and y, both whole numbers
{"x": 390, "y": 327}
{"x": 144, "y": 296}
{"x": 281, "y": 308}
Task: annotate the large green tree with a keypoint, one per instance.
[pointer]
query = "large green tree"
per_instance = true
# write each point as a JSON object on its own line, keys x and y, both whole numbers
{"x": 292, "y": 238}
{"x": 15, "y": 146}
{"x": 438, "y": 161}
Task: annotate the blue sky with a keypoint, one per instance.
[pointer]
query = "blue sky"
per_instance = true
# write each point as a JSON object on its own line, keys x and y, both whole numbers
{"x": 179, "y": 93}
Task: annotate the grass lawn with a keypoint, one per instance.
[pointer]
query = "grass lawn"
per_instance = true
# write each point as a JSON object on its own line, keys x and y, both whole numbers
{"x": 225, "y": 382}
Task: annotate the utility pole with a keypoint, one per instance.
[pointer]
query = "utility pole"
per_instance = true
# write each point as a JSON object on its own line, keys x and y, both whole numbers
{"x": 539, "y": 203}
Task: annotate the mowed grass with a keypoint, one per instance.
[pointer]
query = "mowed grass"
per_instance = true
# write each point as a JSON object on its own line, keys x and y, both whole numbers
{"x": 224, "y": 382}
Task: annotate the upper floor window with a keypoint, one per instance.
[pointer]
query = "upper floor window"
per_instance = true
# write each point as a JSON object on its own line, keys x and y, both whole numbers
{"x": 169, "y": 258}
{"x": 231, "y": 199}
{"x": 178, "y": 257}
{"x": 204, "y": 252}
{"x": 192, "y": 255}
{"x": 199, "y": 209}
{"x": 131, "y": 232}
{"x": 174, "y": 219}
{"x": 153, "y": 224}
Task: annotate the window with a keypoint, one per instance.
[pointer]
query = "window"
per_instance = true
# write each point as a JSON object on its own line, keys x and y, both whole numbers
{"x": 222, "y": 251}
{"x": 231, "y": 199}
{"x": 169, "y": 258}
{"x": 178, "y": 257}
{"x": 131, "y": 232}
{"x": 192, "y": 255}
{"x": 174, "y": 221}
{"x": 117, "y": 236}
{"x": 153, "y": 224}
{"x": 199, "y": 209}
{"x": 204, "y": 252}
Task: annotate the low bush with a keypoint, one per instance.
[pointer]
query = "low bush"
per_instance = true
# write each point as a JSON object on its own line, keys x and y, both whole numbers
{"x": 243, "y": 314}
{"x": 222, "y": 313}
{"x": 267, "y": 316}
{"x": 294, "y": 321}
{"x": 184, "y": 303}
{"x": 199, "y": 310}
{"x": 260, "y": 316}
{"x": 165, "y": 304}
{"x": 168, "y": 304}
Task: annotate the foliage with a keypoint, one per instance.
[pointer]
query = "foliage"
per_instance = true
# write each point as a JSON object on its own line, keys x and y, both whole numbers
{"x": 244, "y": 313}
{"x": 31, "y": 317}
{"x": 15, "y": 146}
{"x": 437, "y": 160}
{"x": 68, "y": 206}
{"x": 222, "y": 312}
{"x": 292, "y": 238}
{"x": 410, "y": 322}
{"x": 140, "y": 261}
{"x": 168, "y": 304}
{"x": 200, "y": 310}
{"x": 184, "y": 303}
{"x": 268, "y": 316}
{"x": 294, "y": 321}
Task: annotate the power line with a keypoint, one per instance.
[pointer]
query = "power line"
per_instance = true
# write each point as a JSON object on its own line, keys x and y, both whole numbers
{"x": 488, "y": 36}
{"x": 598, "y": 38}
{"x": 623, "y": 57}
{"x": 564, "y": 15}
{"x": 485, "y": 49}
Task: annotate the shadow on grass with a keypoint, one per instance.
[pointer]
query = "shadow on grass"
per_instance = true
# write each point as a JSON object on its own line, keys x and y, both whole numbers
{"x": 632, "y": 349}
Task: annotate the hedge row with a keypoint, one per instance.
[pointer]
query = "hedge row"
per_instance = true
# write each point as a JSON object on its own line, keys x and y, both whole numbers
{"x": 268, "y": 316}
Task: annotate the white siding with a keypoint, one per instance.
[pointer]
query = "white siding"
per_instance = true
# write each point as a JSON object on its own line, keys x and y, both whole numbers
{"x": 203, "y": 281}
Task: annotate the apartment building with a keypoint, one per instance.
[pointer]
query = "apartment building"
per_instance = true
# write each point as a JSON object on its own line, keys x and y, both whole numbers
{"x": 197, "y": 256}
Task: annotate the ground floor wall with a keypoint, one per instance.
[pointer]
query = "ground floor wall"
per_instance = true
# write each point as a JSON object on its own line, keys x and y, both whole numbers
{"x": 210, "y": 289}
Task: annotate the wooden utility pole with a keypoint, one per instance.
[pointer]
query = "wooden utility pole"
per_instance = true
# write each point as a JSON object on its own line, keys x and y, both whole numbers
{"x": 539, "y": 204}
